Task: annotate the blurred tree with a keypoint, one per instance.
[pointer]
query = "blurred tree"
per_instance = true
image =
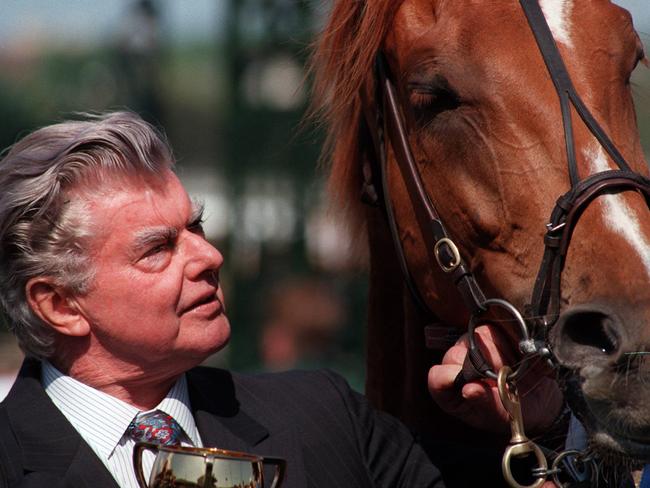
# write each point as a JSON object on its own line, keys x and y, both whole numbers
{"x": 266, "y": 53}
{"x": 272, "y": 166}
{"x": 137, "y": 57}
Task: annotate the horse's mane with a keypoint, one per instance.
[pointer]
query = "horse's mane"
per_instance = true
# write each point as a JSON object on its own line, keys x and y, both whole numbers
{"x": 342, "y": 65}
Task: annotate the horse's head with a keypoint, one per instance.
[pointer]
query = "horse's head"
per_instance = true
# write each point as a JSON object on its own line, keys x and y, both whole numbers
{"x": 485, "y": 129}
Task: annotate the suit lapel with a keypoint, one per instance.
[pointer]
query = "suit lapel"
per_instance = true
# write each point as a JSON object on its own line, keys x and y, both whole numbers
{"x": 287, "y": 445}
{"x": 224, "y": 422}
{"x": 49, "y": 444}
{"x": 86, "y": 470}
{"x": 218, "y": 414}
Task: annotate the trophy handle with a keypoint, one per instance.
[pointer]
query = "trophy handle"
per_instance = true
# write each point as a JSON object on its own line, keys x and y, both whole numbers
{"x": 280, "y": 469}
{"x": 138, "y": 449}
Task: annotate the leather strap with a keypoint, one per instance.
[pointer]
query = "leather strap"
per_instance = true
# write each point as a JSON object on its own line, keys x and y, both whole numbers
{"x": 569, "y": 207}
{"x": 566, "y": 91}
{"x": 439, "y": 245}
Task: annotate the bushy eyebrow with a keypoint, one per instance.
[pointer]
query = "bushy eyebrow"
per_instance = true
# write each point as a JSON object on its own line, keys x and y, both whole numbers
{"x": 156, "y": 235}
{"x": 153, "y": 235}
{"x": 198, "y": 209}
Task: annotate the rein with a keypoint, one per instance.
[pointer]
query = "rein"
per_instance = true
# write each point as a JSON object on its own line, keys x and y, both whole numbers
{"x": 385, "y": 123}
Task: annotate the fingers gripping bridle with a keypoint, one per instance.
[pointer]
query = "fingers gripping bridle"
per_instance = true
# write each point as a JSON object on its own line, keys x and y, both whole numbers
{"x": 385, "y": 123}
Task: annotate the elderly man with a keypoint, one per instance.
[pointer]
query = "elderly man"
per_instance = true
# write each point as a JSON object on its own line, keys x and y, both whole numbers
{"x": 108, "y": 283}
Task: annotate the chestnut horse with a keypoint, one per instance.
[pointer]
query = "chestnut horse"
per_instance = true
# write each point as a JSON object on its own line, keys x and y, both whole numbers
{"x": 485, "y": 130}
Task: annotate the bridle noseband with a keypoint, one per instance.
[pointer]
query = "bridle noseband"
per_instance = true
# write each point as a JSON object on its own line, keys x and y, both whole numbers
{"x": 385, "y": 122}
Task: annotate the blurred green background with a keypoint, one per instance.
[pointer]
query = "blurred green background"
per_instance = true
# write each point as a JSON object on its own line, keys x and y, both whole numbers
{"x": 226, "y": 80}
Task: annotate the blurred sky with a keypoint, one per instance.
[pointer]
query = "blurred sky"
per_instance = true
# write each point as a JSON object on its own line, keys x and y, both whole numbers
{"x": 87, "y": 21}
{"x": 641, "y": 13}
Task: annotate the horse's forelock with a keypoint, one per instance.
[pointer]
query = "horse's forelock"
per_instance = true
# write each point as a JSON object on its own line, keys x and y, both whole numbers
{"x": 342, "y": 66}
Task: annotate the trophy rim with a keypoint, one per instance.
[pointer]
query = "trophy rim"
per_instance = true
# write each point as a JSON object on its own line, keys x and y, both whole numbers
{"x": 214, "y": 452}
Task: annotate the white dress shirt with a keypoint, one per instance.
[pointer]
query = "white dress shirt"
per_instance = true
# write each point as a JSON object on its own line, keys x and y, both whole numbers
{"x": 102, "y": 420}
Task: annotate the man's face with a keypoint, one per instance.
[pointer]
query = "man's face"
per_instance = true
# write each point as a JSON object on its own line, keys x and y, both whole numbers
{"x": 155, "y": 297}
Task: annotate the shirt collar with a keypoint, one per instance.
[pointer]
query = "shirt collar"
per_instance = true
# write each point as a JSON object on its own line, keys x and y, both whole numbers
{"x": 102, "y": 419}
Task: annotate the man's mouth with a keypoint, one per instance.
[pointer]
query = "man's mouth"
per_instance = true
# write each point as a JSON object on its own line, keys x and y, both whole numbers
{"x": 208, "y": 303}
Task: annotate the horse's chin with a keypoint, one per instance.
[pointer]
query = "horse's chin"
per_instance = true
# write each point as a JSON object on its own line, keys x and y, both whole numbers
{"x": 615, "y": 449}
{"x": 613, "y": 435}
{"x": 621, "y": 431}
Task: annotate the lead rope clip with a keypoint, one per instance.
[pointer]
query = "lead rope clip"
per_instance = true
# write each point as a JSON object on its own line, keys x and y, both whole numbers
{"x": 519, "y": 444}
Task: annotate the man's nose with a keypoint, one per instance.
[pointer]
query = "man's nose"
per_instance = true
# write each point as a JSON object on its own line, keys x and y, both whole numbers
{"x": 201, "y": 256}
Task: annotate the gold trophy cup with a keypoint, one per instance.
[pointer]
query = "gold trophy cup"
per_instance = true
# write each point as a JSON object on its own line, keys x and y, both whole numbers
{"x": 195, "y": 467}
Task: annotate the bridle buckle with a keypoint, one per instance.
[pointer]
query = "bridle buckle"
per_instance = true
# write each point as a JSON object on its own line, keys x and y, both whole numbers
{"x": 453, "y": 251}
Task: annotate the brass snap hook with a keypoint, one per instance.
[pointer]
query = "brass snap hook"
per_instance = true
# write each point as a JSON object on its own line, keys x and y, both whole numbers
{"x": 519, "y": 444}
{"x": 517, "y": 450}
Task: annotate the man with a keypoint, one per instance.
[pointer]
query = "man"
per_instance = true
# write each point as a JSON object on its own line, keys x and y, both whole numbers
{"x": 108, "y": 283}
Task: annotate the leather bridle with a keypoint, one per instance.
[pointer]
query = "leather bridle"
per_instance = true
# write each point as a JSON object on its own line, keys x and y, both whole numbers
{"x": 385, "y": 122}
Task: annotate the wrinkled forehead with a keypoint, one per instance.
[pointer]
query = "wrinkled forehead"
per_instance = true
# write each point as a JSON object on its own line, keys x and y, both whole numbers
{"x": 124, "y": 207}
{"x": 100, "y": 201}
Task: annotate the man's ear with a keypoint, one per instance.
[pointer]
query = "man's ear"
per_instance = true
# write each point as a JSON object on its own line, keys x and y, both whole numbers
{"x": 56, "y": 307}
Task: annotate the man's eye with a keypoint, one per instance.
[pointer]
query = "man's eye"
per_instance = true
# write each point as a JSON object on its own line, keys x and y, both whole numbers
{"x": 156, "y": 250}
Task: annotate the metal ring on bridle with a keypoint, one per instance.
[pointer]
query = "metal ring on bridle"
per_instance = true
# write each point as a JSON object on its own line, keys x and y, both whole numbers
{"x": 556, "y": 469}
{"x": 447, "y": 268}
{"x": 525, "y": 338}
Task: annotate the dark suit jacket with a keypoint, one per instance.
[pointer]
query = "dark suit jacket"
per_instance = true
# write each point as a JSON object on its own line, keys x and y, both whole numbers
{"x": 328, "y": 434}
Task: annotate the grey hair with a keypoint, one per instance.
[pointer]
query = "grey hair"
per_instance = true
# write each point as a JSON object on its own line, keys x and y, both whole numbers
{"x": 44, "y": 228}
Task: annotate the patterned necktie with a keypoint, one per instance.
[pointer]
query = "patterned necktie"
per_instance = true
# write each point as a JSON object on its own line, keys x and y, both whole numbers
{"x": 156, "y": 427}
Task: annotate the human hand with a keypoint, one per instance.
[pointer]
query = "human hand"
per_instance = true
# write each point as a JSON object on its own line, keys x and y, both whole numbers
{"x": 477, "y": 403}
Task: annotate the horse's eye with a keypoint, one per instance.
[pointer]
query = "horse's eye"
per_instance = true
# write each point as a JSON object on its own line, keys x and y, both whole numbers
{"x": 431, "y": 99}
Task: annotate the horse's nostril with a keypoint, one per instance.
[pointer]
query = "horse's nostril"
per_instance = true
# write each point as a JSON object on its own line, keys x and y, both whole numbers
{"x": 592, "y": 330}
{"x": 586, "y": 335}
